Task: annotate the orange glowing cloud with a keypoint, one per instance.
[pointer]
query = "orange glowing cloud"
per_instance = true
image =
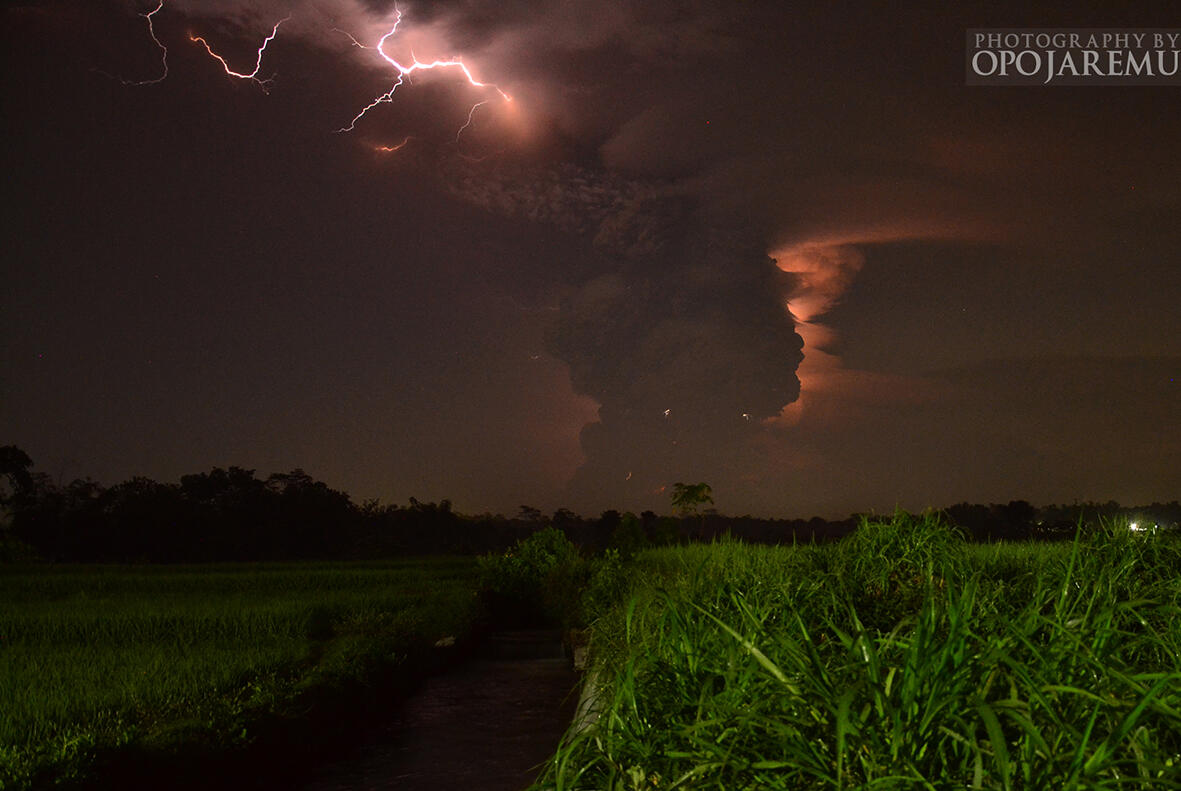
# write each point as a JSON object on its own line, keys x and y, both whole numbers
{"x": 823, "y": 272}
{"x": 824, "y": 266}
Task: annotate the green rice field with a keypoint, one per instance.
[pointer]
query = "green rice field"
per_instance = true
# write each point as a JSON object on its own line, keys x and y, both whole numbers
{"x": 900, "y": 657}
{"x": 96, "y": 658}
{"x": 897, "y": 658}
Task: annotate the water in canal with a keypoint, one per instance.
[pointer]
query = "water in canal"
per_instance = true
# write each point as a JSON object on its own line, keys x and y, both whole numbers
{"x": 486, "y": 726}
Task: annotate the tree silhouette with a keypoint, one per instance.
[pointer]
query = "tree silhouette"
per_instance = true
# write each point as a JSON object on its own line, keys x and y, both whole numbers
{"x": 563, "y": 517}
{"x": 530, "y": 514}
{"x": 16, "y": 489}
{"x": 14, "y": 466}
{"x": 688, "y": 497}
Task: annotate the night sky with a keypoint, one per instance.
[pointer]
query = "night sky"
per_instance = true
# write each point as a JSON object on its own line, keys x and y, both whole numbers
{"x": 582, "y": 297}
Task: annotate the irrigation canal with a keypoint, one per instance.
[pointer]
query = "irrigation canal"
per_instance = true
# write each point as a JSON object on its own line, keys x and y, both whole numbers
{"x": 487, "y": 726}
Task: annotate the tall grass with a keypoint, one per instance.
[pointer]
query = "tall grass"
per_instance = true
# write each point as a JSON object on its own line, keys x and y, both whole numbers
{"x": 899, "y": 658}
{"x": 92, "y": 658}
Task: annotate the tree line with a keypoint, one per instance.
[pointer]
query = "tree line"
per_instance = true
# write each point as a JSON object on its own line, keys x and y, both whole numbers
{"x": 232, "y": 514}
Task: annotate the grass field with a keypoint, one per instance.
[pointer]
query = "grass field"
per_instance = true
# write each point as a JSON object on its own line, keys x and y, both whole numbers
{"x": 898, "y": 658}
{"x": 97, "y": 657}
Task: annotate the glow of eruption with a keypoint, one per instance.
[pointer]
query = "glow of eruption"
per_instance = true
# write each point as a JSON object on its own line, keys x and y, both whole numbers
{"x": 404, "y": 71}
{"x": 257, "y": 63}
{"x": 823, "y": 272}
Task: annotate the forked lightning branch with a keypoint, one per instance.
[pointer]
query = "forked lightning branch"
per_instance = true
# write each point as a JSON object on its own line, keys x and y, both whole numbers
{"x": 403, "y": 70}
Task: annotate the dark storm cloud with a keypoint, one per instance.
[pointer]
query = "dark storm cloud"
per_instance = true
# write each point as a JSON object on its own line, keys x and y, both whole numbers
{"x": 566, "y": 196}
{"x": 684, "y": 362}
{"x": 676, "y": 326}
{"x": 684, "y": 313}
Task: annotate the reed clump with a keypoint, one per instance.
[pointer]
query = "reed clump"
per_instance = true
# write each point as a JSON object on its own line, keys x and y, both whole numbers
{"x": 898, "y": 658}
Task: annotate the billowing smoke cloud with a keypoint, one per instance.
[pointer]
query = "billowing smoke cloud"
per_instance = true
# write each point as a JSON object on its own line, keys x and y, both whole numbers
{"x": 684, "y": 330}
{"x": 677, "y": 329}
{"x": 685, "y": 360}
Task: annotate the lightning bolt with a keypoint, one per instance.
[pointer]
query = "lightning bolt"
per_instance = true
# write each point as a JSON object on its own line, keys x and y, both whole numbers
{"x": 405, "y": 71}
{"x": 163, "y": 52}
{"x": 264, "y": 84}
{"x": 470, "y": 113}
{"x": 392, "y": 149}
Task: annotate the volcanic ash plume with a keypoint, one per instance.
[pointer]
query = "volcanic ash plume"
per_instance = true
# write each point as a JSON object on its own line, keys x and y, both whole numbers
{"x": 677, "y": 329}
{"x": 686, "y": 358}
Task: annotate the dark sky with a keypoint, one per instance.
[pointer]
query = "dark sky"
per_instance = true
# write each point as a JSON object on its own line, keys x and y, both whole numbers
{"x": 583, "y": 296}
